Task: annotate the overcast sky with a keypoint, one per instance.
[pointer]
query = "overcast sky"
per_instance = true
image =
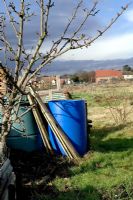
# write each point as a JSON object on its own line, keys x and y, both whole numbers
{"x": 116, "y": 43}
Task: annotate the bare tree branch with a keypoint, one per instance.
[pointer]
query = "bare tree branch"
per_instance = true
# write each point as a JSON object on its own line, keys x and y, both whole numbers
{"x": 39, "y": 44}
{"x": 73, "y": 43}
{"x": 58, "y": 42}
{"x": 11, "y": 18}
{"x": 20, "y": 40}
{"x": 3, "y": 37}
{"x": 42, "y": 17}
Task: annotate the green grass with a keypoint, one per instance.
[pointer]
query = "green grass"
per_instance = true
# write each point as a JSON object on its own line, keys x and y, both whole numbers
{"x": 105, "y": 173}
{"x": 109, "y": 98}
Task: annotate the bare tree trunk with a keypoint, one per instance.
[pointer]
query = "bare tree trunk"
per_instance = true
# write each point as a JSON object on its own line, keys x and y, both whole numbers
{"x": 5, "y": 129}
{"x": 4, "y": 133}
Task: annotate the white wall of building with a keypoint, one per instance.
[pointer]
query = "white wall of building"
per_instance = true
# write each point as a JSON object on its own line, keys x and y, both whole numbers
{"x": 128, "y": 77}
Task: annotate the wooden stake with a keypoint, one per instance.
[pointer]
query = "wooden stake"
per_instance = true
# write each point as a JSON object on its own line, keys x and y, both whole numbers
{"x": 40, "y": 125}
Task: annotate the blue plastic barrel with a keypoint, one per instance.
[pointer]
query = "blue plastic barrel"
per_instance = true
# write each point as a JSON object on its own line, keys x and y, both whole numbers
{"x": 71, "y": 116}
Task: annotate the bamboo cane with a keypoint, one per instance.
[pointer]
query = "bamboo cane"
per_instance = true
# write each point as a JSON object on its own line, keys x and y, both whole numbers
{"x": 65, "y": 142}
{"x": 40, "y": 125}
{"x": 59, "y": 138}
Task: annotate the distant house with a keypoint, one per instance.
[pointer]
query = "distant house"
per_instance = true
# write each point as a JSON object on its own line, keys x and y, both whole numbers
{"x": 48, "y": 82}
{"x": 44, "y": 82}
{"x": 65, "y": 79}
{"x": 128, "y": 75}
{"x": 53, "y": 82}
{"x": 108, "y": 75}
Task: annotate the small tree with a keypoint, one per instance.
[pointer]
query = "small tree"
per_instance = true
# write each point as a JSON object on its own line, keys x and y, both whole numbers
{"x": 75, "y": 78}
{"x": 87, "y": 76}
{"x": 83, "y": 76}
{"x": 127, "y": 68}
{"x": 91, "y": 76}
{"x": 27, "y": 64}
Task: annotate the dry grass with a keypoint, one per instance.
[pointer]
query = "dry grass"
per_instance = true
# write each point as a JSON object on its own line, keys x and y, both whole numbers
{"x": 104, "y": 101}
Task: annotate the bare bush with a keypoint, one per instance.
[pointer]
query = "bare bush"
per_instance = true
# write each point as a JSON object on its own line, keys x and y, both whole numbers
{"x": 118, "y": 104}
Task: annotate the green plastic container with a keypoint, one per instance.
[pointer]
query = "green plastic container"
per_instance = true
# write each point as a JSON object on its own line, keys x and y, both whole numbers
{"x": 28, "y": 144}
{"x": 25, "y": 135}
{"x": 27, "y": 126}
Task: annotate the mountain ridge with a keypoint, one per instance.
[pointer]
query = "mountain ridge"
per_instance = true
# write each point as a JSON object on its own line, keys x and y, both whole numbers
{"x": 74, "y": 66}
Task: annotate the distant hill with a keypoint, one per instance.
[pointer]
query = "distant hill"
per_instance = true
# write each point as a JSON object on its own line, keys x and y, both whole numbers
{"x": 73, "y": 66}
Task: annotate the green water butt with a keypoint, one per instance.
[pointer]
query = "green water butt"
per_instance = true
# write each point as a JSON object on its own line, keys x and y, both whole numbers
{"x": 26, "y": 125}
{"x": 28, "y": 144}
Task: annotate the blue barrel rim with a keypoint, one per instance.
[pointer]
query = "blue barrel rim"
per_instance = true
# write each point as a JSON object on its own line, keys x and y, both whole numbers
{"x": 67, "y": 100}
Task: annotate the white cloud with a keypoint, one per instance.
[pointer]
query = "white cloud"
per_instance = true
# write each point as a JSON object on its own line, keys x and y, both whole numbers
{"x": 129, "y": 15}
{"x": 110, "y": 48}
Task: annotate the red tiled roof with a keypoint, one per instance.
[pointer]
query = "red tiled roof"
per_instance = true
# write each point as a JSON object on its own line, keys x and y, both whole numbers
{"x": 108, "y": 73}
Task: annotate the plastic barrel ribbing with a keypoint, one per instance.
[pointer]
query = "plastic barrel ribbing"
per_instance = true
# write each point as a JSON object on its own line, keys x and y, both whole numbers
{"x": 28, "y": 144}
{"x": 71, "y": 116}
